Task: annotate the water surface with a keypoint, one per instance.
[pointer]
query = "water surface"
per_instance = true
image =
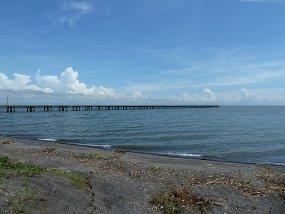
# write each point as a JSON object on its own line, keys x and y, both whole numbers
{"x": 244, "y": 134}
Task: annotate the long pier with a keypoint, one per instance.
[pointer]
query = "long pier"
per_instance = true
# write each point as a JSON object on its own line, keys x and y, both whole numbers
{"x": 63, "y": 108}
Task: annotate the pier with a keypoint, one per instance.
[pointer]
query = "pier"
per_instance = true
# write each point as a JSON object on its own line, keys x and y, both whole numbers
{"x": 64, "y": 108}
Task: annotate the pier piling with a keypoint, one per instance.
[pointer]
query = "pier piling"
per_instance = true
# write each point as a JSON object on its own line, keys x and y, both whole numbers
{"x": 62, "y": 108}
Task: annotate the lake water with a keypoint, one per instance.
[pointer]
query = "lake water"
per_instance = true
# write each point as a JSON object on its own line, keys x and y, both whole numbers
{"x": 243, "y": 134}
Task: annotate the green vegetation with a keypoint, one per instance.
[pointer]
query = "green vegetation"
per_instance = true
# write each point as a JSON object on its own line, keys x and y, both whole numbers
{"x": 154, "y": 168}
{"x": 12, "y": 168}
{"x": 1, "y": 184}
{"x": 174, "y": 201}
{"x": 18, "y": 202}
{"x": 93, "y": 155}
{"x": 77, "y": 181}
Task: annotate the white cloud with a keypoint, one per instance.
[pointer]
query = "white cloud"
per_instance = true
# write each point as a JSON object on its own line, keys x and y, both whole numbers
{"x": 138, "y": 95}
{"x": 52, "y": 82}
{"x": 20, "y": 82}
{"x": 209, "y": 93}
{"x": 67, "y": 88}
{"x": 68, "y": 83}
{"x": 204, "y": 97}
{"x": 245, "y": 96}
{"x": 71, "y": 11}
{"x": 82, "y": 7}
{"x": 256, "y": 77}
{"x": 248, "y": 97}
{"x": 74, "y": 11}
{"x": 157, "y": 86}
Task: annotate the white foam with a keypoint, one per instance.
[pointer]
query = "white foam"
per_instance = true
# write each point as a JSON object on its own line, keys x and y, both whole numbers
{"x": 185, "y": 154}
{"x": 103, "y": 146}
{"x": 48, "y": 139}
{"x": 91, "y": 145}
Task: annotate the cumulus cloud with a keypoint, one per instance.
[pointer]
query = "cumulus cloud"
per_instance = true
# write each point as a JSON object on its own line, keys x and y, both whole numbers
{"x": 20, "y": 82}
{"x": 68, "y": 83}
{"x": 66, "y": 87}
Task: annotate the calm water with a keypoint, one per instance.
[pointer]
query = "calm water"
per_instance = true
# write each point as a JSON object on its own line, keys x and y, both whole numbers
{"x": 245, "y": 134}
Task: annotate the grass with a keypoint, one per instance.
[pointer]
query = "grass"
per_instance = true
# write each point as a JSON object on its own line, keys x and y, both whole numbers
{"x": 92, "y": 156}
{"x": 18, "y": 202}
{"x": 77, "y": 181}
{"x": 154, "y": 168}
{"x": 174, "y": 201}
{"x": 1, "y": 185}
{"x": 12, "y": 168}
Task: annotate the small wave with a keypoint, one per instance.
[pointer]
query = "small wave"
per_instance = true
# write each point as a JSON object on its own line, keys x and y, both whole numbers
{"x": 85, "y": 144}
{"x": 183, "y": 154}
{"x": 213, "y": 156}
{"x": 48, "y": 139}
{"x": 138, "y": 147}
{"x": 102, "y": 146}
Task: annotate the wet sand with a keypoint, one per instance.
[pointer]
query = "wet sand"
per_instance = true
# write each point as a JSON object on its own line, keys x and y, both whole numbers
{"x": 126, "y": 182}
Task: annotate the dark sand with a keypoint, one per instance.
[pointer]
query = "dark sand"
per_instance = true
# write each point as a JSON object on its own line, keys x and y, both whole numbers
{"x": 125, "y": 182}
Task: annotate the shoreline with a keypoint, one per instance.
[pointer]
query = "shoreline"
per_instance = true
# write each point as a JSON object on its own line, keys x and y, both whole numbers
{"x": 129, "y": 182}
{"x": 110, "y": 148}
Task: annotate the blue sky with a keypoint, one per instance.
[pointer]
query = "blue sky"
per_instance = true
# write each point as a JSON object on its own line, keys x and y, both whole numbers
{"x": 230, "y": 52}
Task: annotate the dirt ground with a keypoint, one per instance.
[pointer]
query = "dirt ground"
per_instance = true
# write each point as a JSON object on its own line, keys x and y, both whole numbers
{"x": 78, "y": 179}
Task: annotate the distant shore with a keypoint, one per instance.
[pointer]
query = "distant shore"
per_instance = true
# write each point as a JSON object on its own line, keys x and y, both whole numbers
{"x": 126, "y": 182}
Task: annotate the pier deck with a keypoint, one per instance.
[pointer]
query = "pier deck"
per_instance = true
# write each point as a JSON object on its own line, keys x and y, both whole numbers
{"x": 62, "y": 108}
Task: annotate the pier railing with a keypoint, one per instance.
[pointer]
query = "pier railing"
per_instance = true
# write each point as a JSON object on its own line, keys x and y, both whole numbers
{"x": 62, "y": 108}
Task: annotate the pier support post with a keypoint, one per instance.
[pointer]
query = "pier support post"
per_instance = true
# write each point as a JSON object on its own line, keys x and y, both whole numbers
{"x": 11, "y": 109}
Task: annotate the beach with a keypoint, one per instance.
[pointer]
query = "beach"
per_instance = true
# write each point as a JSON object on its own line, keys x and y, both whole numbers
{"x": 47, "y": 177}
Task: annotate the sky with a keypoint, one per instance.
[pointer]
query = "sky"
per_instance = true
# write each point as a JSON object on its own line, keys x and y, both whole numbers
{"x": 226, "y": 52}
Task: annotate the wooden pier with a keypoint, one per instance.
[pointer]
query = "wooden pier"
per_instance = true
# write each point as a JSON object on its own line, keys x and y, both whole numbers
{"x": 62, "y": 108}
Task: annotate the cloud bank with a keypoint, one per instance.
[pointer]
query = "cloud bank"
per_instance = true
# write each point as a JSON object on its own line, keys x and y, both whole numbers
{"x": 20, "y": 82}
{"x": 66, "y": 87}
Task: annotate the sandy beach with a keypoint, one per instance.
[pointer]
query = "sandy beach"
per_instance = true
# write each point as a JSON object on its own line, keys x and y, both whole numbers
{"x": 46, "y": 177}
